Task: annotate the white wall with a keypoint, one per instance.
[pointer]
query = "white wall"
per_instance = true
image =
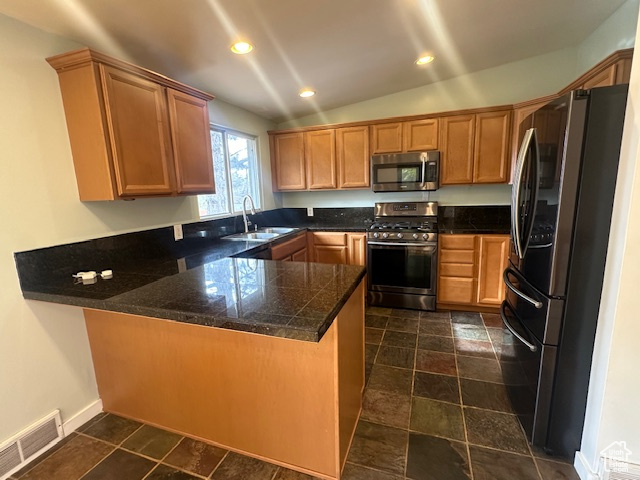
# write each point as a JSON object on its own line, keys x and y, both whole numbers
{"x": 614, "y": 390}
{"x": 616, "y": 33}
{"x": 46, "y": 363}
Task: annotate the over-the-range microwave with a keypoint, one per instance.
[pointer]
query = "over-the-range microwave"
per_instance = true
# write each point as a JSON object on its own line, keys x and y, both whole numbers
{"x": 405, "y": 172}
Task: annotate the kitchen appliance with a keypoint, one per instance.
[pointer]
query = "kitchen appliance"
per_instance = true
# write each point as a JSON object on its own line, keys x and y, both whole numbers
{"x": 405, "y": 172}
{"x": 561, "y": 214}
{"x": 402, "y": 254}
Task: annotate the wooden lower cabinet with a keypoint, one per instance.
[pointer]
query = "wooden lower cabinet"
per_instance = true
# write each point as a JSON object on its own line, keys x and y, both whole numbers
{"x": 338, "y": 247}
{"x": 290, "y": 402}
{"x": 294, "y": 249}
{"x": 470, "y": 271}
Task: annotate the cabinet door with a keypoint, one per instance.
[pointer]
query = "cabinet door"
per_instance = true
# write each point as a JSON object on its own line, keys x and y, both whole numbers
{"x": 300, "y": 255}
{"x": 456, "y": 147}
{"x": 491, "y": 163}
{"x": 352, "y": 153}
{"x": 421, "y": 135}
{"x": 386, "y": 138}
{"x": 330, "y": 254}
{"x": 456, "y": 290}
{"x": 288, "y": 161}
{"x": 357, "y": 246}
{"x": 320, "y": 156}
{"x": 493, "y": 253}
{"x": 191, "y": 141}
{"x": 602, "y": 79}
{"x": 137, "y": 119}
{"x": 456, "y": 269}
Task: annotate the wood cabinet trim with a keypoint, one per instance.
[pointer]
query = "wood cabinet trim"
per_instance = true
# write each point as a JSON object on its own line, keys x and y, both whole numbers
{"x": 615, "y": 57}
{"x": 84, "y": 56}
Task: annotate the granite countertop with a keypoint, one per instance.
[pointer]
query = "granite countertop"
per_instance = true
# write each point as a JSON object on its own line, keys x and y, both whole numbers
{"x": 284, "y": 299}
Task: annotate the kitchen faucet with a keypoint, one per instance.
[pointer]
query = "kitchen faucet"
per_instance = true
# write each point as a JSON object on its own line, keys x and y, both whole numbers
{"x": 244, "y": 211}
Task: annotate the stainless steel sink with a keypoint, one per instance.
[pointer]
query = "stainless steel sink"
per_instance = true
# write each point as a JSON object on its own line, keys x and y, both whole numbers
{"x": 253, "y": 236}
{"x": 279, "y": 230}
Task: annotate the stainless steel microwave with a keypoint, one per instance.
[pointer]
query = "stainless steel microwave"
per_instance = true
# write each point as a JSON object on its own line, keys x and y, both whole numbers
{"x": 405, "y": 172}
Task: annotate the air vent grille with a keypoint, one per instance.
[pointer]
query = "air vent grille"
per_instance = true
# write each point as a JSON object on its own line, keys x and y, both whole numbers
{"x": 32, "y": 441}
{"x": 9, "y": 458}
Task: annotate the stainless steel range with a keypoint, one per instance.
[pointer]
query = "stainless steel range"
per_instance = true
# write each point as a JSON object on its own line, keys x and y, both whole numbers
{"x": 402, "y": 251}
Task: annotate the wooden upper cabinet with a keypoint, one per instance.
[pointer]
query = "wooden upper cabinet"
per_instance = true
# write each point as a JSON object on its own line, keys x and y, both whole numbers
{"x": 191, "y": 140}
{"x": 492, "y": 142}
{"x": 139, "y": 131}
{"x": 456, "y": 154}
{"x": 493, "y": 253}
{"x": 604, "y": 78}
{"x": 420, "y": 135}
{"x": 386, "y": 138}
{"x": 320, "y": 158}
{"x": 352, "y": 156}
{"x": 132, "y": 131}
{"x": 289, "y": 161}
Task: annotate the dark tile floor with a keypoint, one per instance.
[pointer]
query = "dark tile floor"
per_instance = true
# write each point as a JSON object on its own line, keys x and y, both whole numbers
{"x": 435, "y": 408}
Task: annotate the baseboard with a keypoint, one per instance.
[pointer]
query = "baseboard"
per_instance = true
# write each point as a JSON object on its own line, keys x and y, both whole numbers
{"x": 583, "y": 468}
{"x": 82, "y": 417}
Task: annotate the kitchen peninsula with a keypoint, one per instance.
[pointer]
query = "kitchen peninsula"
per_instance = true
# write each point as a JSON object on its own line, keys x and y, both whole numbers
{"x": 261, "y": 357}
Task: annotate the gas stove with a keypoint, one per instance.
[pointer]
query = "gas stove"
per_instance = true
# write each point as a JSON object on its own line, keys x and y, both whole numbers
{"x": 412, "y": 222}
{"x": 402, "y": 252}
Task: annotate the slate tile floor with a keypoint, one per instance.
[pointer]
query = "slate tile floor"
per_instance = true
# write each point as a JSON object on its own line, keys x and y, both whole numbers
{"x": 435, "y": 408}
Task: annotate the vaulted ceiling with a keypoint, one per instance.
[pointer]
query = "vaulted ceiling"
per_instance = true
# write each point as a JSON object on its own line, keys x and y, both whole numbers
{"x": 346, "y": 50}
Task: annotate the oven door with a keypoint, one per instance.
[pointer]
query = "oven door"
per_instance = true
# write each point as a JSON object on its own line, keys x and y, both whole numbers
{"x": 402, "y": 268}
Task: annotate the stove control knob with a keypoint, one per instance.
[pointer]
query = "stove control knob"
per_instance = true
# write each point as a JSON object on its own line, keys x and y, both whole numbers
{"x": 376, "y": 235}
{"x": 400, "y": 235}
{"x": 425, "y": 236}
{"x": 415, "y": 236}
{"x": 385, "y": 235}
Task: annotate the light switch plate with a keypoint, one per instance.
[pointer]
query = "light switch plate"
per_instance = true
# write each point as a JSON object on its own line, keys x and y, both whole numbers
{"x": 177, "y": 232}
{"x": 309, "y": 211}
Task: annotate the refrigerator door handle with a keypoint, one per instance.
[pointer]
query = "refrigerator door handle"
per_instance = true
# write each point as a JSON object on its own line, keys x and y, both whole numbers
{"x": 510, "y": 286}
{"x": 505, "y": 320}
{"x": 529, "y": 143}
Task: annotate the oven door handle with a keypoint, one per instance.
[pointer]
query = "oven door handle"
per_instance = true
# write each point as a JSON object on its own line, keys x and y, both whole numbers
{"x": 400, "y": 244}
{"x": 505, "y": 320}
{"x": 510, "y": 286}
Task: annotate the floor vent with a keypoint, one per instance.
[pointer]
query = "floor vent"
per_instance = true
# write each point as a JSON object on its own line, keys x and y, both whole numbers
{"x": 29, "y": 443}
{"x": 626, "y": 471}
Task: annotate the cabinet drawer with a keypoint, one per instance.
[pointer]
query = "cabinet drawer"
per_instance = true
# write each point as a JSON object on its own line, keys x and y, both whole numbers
{"x": 330, "y": 238}
{"x": 457, "y": 256}
{"x": 285, "y": 249}
{"x": 457, "y": 242}
{"x": 456, "y": 290}
{"x": 456, "y": 270}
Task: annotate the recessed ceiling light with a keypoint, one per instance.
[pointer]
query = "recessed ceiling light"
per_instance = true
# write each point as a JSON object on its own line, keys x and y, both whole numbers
{"x": 241, "y": 48}
{"x": 307, "y": 92}
{"x": 424, "y": 60}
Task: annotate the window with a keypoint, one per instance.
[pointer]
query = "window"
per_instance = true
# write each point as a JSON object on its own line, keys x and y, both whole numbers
{"x": 235, "y": 168}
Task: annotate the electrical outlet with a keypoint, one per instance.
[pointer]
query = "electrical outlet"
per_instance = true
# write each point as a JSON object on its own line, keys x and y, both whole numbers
{"x": 309, "y": 211}
{"x": 182, "y": 265}
{"x": 177, "y": 232}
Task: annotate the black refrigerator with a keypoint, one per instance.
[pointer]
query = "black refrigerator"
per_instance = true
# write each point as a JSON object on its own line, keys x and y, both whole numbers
{"x": 562, "y": 201}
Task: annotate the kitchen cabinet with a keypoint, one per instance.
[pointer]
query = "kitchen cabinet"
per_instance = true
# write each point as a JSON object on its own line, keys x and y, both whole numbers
{"x": 493, "y": 253}
{"x": 357, "y": 248}
{"x": 352, "y": 156}
{"x": 133, "y": 132}
{"x": 408, "y": 136}
{"x": 288, "y": 162}
{"x": 491, "y": 149}
{"x": 338, "y": 247}
{"x": 470, "y": 270}
{"x": 604, "y": 78}
{"x": 330, "y": 247}
{"x": 456, "y": 155}
{"x": 294, "y": 249}
{"x": 420, "y": 135}
{"x": 320, "y": 158}
{"x": 324, "y": 159}
{"x": 386, "y": 138}
{"x": 475, "y": 148}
